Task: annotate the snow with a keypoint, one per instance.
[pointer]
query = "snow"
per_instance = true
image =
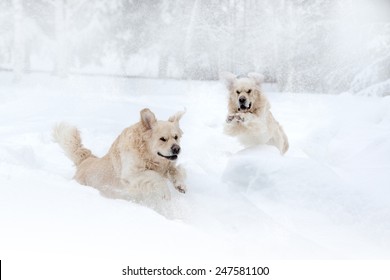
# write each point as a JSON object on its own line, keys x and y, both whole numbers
{"x": 328, "y": 197}
{"x": 373, "y": 80}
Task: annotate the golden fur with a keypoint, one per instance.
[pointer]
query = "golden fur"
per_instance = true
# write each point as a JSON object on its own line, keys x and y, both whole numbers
{"x": 139, "y": 162}
{"x": 249, "y": 116}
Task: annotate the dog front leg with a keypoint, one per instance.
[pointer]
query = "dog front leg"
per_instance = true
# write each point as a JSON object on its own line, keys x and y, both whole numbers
{"x": 245, "y": 117}
{"x": 177, "y": 176}
{"x": 147, "y": 184}
{"x": 238, "y": 118}
{"x": 239, "y": 124}
{"x": 235, "y": 118}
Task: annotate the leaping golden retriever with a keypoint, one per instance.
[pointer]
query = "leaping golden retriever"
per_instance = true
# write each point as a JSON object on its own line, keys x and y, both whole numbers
{"x": 249, "y": 116}
{"x": 139, "y": 162}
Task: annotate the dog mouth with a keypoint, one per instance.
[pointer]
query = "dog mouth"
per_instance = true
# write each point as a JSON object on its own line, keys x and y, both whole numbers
{"x": 173, "y": 157}
{"x": 243, "y": 107}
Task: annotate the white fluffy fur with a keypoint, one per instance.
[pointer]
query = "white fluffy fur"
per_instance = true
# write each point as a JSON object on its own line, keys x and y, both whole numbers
{"x": 139, "y": 163}
{"x": 253, "y": 123}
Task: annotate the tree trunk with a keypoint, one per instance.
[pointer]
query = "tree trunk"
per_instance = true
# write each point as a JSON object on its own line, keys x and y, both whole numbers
{"x": 163, "y": 65}
{"x": 18, "y": 52}
{"x": 61, "y": 64}
{"x": 188, "y": 39}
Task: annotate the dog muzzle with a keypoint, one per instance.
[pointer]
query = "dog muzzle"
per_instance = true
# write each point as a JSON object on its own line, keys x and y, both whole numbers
{"x": 244, "y": 107}
{"x": 175, "y": 150}
{"x": 172, "y": 157}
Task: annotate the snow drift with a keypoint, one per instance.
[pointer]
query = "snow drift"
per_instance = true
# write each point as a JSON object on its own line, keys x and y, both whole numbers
{"x": 328, "y": 197}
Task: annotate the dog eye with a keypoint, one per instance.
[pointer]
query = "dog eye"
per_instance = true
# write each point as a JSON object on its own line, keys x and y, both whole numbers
{"x": 175, "y": 137}
{"x": 163, "y": 139}
{"x": 249, "y": 91}
{"x": 238, "y": 92}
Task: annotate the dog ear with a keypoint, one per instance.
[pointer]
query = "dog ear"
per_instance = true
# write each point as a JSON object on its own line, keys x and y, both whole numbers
{"x": 148, "y": 119}
{"x": 176, "y": 117}
{"x": 228, "y": 78}
{"x": 259, "y": 78}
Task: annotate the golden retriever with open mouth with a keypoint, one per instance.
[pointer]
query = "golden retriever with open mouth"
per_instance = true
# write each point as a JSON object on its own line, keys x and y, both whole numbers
{"x": 139, "y": 162}
{"x": 249, "y": 116}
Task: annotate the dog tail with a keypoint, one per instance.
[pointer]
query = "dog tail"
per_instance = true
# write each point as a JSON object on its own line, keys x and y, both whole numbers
{"x": 68, "y": 137}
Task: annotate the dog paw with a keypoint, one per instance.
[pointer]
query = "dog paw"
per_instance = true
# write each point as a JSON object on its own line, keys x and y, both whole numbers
{"x": 236, "y": 117}
{"x": 181, "y": 188}
{"x": 230, "y": 118}
{"x": 239, "y": 118}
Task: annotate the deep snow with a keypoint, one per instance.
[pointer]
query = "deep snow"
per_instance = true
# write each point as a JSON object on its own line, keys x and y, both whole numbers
{"x": 328, "y": 197}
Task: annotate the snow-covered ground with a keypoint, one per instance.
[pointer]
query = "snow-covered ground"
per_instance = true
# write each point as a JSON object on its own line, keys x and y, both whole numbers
{"x": 328, "y": 197}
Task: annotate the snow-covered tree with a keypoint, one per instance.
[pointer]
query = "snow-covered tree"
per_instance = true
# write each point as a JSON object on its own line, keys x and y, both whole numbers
{"x": 18, "y": 42}
{"x": 6, "y": 32}
{"x": 317, "y": 46}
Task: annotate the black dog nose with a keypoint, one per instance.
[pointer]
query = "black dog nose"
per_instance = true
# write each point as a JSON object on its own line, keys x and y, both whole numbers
{"x": 175, "y": 149}
{"x": 242, "y": 99}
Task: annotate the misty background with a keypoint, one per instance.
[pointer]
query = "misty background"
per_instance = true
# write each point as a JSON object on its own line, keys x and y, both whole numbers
{"x": 329, "y": 46}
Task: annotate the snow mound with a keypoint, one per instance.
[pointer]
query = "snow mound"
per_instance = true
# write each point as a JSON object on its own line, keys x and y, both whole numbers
{"x": 252, "y": 168}
{"x": 327, "y": 197}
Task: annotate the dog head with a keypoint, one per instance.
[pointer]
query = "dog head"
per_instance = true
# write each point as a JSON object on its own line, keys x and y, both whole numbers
{"x": 163, "y": 137}
{"x": 243, "y": 91}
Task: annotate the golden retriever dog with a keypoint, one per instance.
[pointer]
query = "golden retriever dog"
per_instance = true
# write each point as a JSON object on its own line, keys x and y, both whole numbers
{"x": 249, "y": 116}
{"x": 139, "y": 163}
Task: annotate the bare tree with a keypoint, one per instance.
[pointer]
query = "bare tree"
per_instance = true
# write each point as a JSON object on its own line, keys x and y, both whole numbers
{"x": 61, "y": 63}
{"x": 18, "y": 42}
